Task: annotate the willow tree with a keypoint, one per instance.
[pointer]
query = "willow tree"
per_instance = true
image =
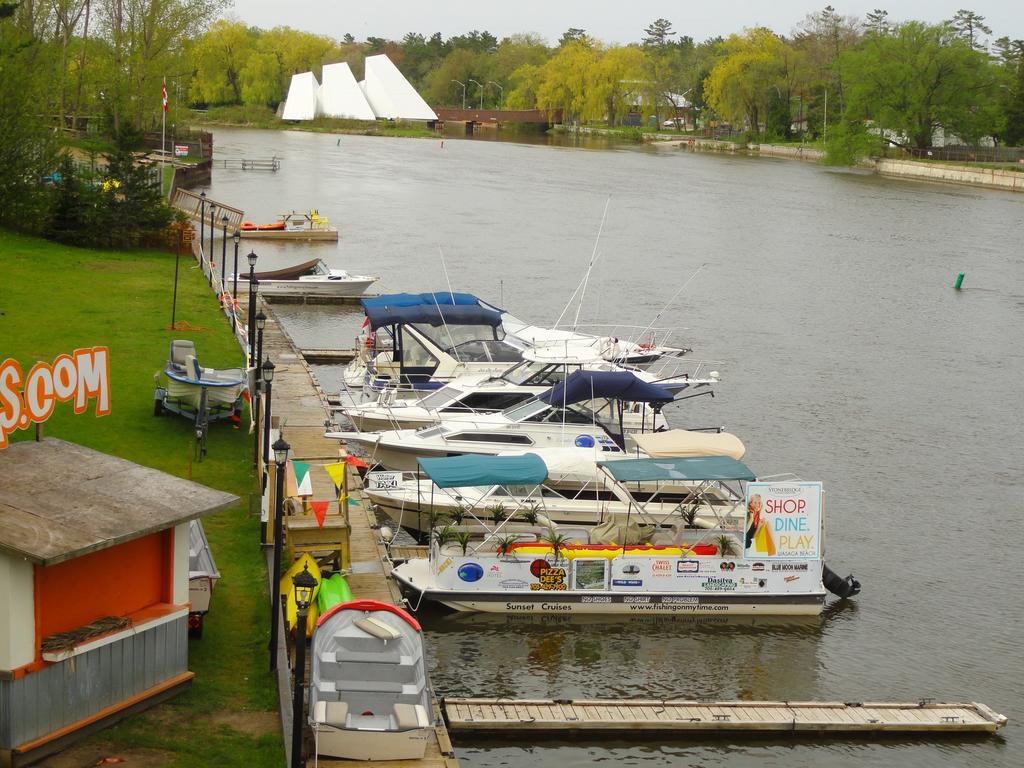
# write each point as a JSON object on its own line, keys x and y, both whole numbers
{"x": 564, "y": 80}
{"x": 751, "y": 72}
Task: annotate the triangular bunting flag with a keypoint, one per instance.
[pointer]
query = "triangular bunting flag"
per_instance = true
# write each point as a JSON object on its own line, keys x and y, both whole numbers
{"x": 303, "y": 481}
{"x": 337, "y": 473}
{"x": 319, "y": 511}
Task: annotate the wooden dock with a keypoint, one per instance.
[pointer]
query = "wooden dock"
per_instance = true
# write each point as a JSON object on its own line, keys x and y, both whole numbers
{"x": 300, "y": 408}
{"x": 612, "y": 716}
{"x": 249, "y": 164}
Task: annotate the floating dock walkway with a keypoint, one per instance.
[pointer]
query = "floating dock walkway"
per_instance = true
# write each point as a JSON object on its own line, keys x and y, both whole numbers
{"x": 610, "y": 716}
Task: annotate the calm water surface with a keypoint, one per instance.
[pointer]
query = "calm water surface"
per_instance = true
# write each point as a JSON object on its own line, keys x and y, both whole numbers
{"x": 846, "y": 357}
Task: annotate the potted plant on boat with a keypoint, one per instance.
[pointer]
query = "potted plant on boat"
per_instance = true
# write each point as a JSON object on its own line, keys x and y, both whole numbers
{"x": 463, "y": 538}
{"x": 726, "y": 546}
{"x": 504, "y": 544}
{"x": 689, "y": 515}
{"x": 497, "y": 513}
{"x": 458, "y": 514}
{"x": 443, "y": 535}
{"x": 557, "y": 541}
{"x": 435, "y": 517}
{"x": 530, "y": 512}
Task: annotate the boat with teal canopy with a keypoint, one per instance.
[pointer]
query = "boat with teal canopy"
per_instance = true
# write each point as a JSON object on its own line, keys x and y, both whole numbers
{"x": 694, "y": 469}
{"x": 474, "y": 470}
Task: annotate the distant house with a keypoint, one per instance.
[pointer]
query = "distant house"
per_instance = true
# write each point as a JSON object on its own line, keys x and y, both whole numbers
{"x": 94, "y": 591}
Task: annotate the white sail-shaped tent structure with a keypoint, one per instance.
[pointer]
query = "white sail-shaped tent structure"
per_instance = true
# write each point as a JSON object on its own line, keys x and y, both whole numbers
{"x": 385, "y": 93}
{"x": 341, "y": 96}
{"x": 390, "y": 94}
{"x": 303, "y": 97}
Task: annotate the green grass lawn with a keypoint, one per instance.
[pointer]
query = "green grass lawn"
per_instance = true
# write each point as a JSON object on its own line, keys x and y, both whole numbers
{"x": 55, "y": 298}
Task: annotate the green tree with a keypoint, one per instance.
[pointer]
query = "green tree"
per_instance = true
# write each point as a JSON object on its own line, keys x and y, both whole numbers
{"x": 970, "y": 26}
{"x": 132, "y": 207}
{"x": 918, "y": 78}
{"x": 572, "y": 35}
{"x": 1011, "y": 129}
{"x": 658, "y": 34}
{"x": 876, "y": 22}
{"x": 220, "y": 55}
{"x": 564, "y": 79}
{"x": 75, "y": 206}
{"x": 752, "y": 72}
{"x": 28, "y": 148}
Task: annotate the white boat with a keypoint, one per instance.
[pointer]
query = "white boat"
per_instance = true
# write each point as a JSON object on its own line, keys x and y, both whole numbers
{"x": 623, "y": 405}
{"x": 311, "y": 278}
{"x": 202, "y": 394}
{"x": 744, "y": 565}
{"x": 368, "y": 693}
{"x": 411, "y": 339}
{"x": 573, "y": 494}
{"x": 202, "y": 577}
{"x": 541, "y": 369}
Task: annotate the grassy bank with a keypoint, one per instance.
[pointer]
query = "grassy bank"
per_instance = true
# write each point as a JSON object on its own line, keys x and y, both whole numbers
{"x": 264, "y": 117}
{"x": 55, "y": 298}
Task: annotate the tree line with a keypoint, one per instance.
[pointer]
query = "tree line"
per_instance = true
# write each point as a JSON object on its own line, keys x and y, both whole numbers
{"x": 853, "y": 81}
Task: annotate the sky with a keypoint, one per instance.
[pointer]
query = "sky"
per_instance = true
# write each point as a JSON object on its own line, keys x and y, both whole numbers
{"x": 612, "y": 21}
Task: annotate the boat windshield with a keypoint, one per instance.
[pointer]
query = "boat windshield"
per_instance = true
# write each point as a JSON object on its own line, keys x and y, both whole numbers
{"x": 525, "y": 410}
{"x": 440, "y": 398}
{"x": 320, "y": 269}
{"x": 447, "y": 336}
{"x": 534, "y": 374}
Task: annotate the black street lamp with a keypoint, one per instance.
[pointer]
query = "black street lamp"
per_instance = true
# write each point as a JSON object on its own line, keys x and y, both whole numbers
{"x": 281, "y": 449}
{"x": 224, "y": 251}
{"x": 253, "y": 361}
{"x": 304, "y": 584}
{"x": 268, "y": 376}
{"x": 234, "y": 285}
{"x": 202, "y": 218}
{"x": 213, "y": 209}
{"x": 260, "y": 321}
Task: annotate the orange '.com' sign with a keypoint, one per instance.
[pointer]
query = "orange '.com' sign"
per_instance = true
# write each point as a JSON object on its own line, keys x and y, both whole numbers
{"x": 29, "y": 399}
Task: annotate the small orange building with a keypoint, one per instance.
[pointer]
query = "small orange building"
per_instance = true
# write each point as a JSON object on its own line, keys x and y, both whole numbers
{"x": 94, "y": 568}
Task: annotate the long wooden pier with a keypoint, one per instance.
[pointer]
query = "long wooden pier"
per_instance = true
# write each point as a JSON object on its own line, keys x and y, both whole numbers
{"x": 612, "y": 715}
{"x": 299, "y": 410}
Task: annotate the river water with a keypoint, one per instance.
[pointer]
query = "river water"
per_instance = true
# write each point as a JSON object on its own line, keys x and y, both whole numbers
{"x": 846, "y": 356}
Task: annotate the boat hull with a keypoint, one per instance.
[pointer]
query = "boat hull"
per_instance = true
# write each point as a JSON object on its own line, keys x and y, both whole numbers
{"x": 352, "y": 744}
{"x": 314, "y": 287}
{"x": 289, "y": 234}
{"x": 622, "y": 603}
{"x": 371, "y": 423}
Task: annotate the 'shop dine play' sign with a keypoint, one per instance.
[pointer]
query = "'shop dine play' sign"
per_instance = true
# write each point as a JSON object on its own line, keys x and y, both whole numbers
{"x": 82, "y": 376}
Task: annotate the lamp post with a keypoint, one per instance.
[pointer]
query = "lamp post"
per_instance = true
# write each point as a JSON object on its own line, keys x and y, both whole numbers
{"x": 501, "y": 93}
{"x": 177, "y": 258}
{"x": 253, "y": 362}
{"x": 481, "y": 91}
{"x": 463, "y": 91}
{"x": 268, "y": 376}
{"x": 234, "y": 285}
{"x": 281, "y": 449}
{"x": 223, "y": 250}
{"x": 304, "y": 584}
{"x": 260, "y": 322}
{"x": 202, "y": 219}
{"x": 213, "y": 210}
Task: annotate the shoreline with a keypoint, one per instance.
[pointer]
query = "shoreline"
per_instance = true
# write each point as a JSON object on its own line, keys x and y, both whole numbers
{"x": 935, "y": 172}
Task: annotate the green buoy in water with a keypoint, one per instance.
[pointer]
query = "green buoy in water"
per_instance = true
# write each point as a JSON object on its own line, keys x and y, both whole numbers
{"x": 959, "y": 281}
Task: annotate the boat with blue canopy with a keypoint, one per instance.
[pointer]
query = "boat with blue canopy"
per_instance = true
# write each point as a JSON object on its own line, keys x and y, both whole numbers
{"x": 585, "y": 411}
{"x": 763, "y": 556}
{"x": 413, "y": 340}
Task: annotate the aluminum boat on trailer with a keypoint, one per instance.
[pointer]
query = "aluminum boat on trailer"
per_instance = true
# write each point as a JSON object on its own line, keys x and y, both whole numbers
{"x": 771, "y": 563}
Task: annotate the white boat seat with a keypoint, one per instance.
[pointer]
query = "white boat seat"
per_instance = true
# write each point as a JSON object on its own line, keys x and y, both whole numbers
{"x": 180, "y": 349}
{"x": 409, "y": 716}
{"x": 377, "y": 628}
{"x": 331, "y": 713}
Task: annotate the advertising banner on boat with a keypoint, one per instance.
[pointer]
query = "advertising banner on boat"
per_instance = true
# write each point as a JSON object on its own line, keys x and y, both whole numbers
{"x": 29, "y": 398}
{"x": 783, "y": 521}
{"x": 383, "y": 481}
